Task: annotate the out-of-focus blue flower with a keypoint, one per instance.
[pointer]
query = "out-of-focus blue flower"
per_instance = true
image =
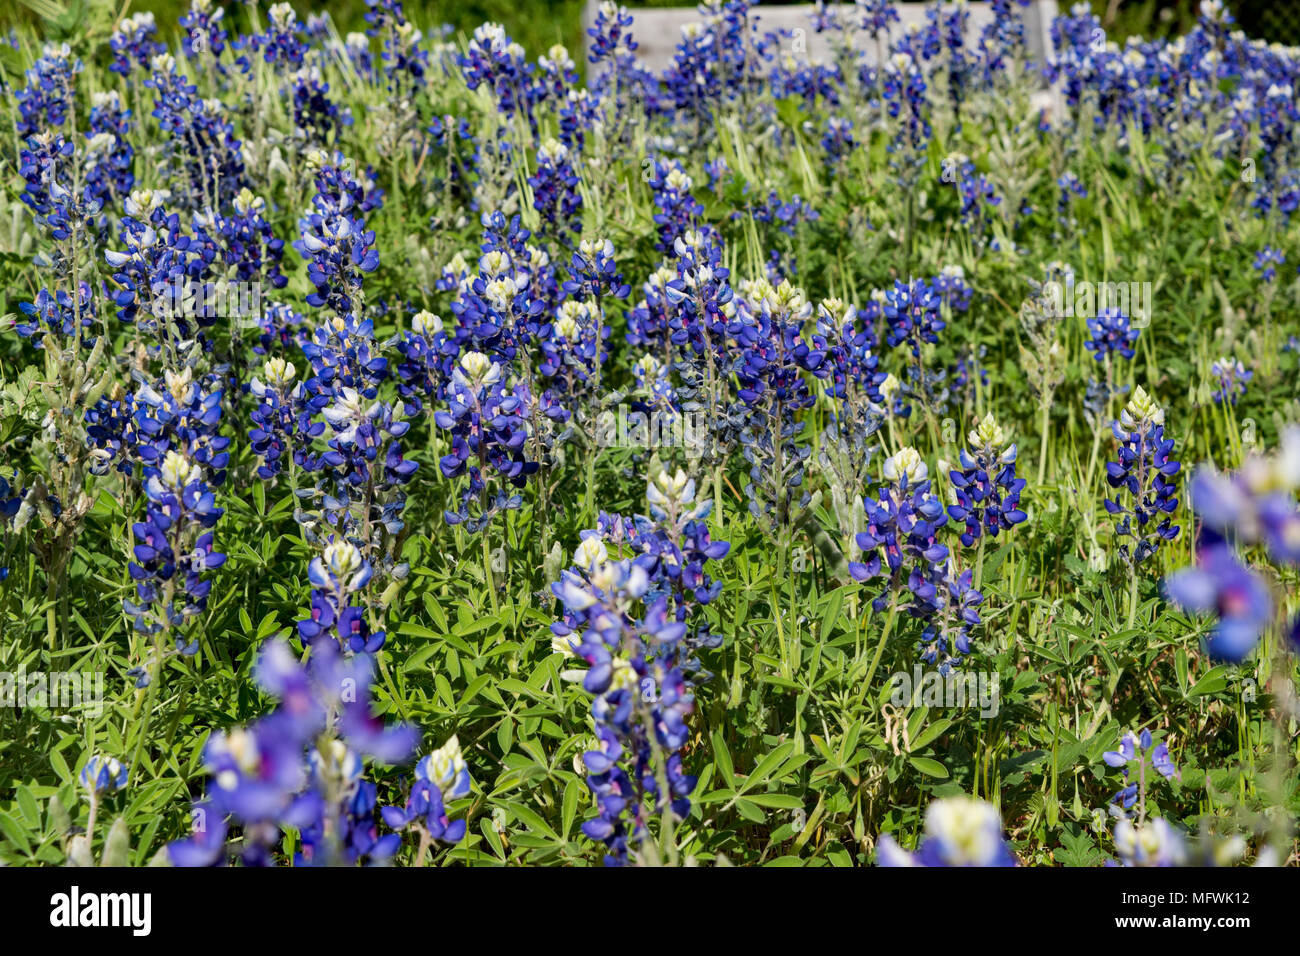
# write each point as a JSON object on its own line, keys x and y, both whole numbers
{"x": 1153, "y": 843}
{"x": 1266, "y": 262}
{"x": 959, "y": 831}
{"x": 1230, "y": 378}
{"x": 1221, "y": 584}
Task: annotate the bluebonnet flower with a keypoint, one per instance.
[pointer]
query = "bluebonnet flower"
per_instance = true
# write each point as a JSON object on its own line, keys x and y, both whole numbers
{"x": 611, "y": 35}
{"x": 427, "y": 357}
{"x": 854, "y": 373}
{"x": 571, "y": 354}
{"x": 362, "y": 472}
{"x": 343, "y": 354}
{"x": 276, "y": 418}
{"x": 672, "y": 545}
{"x": 853, "y": 383}
{"x": 440, "y": 777}
{"x": 558, "y": 75}
{"x": 249, "y": 246}
{"x": 101, "y": 774}
{"x": 164, "y": 274}
{"x": 1111, "y": 333}
{"x": 11, "y": 498}
{"x": 338, "y": 247}
{"x": 179, "y": 414}
{"x": 201, "y": 143}
{"x": 44, "y": 103}
{"x": 493, "y": 60}
{"x": 792, "y": 77}
{"x": 986, "y": 486}
{"x": 134, "y": 43}
{"x": 405, "y": 62}
{"x": 900, "y": 543}
{"x": 905, "y": 99}
{"x": 1266, "y": 262}
{"x": 912, "y": 311}
{"x": 1138, "y": 749}
{"x": 173, "y": 553}
{"x": 299, "y": 766}
{"x": 70, "y": 317}
{"x": 901, "y": 525}
{"x": 555, "y": 192}
{"x": 109, "y": 153}
{"x": 676, "y": 209}
{"x": 1239, "y": 596}
{"x": 488, "y": 434}
{"x": 595, "y": 274}
{"x": 953, "y": 290}
{"x": 877, "y": 15}
{"x": 281, "y": 44}
{"x": 1230, "y": 378}
{"x": 344, "y": 826}
{"x": 838, "y": 140}
{"x": 203, "y": 32}
{"x": 959, "y": 831}
{"x": 950, "y": 22}
{"x": 499, "y": 307}
{"x": 1143, "y": 471}
{"x": 1069, "y": 188}
{"x": 1001, "y": 41}
{"x": 1256, "y": 505}
{"x": 51, "y": 169}
{"x": 1153, "y": 843}
{"x": 969, "y": 376}
{"x": 648, "y": 321}
{"x": 621, "y": 622}
{"x": 317, "y": 119}
{"x": 774, "y": 354}
{"x": 977, "y": 194}
{"x": 340, "y": 572}
{"x": 578, "y": 117}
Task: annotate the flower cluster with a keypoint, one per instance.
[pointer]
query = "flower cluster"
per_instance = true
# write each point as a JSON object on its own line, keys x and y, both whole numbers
{"x": 173, "y": 553}
{"x": 488, "y": 435}
{"x": 299, "y": 766}
{"x": 629, "y": 619}
{"x": 1111, "y": 333}
{"x": 901, "y": 543}
{"x": 986, "y": 486}
{"x": 1145, "y": 495}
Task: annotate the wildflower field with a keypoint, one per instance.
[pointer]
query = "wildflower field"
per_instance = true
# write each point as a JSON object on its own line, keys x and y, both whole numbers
{"x": 418, "y": 450}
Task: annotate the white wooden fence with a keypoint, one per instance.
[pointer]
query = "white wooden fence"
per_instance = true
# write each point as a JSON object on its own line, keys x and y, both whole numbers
{"x": 657, "y": 31}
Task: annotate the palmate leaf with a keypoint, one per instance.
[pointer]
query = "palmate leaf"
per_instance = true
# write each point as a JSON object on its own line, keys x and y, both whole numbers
{"x": 1078, "y": 849}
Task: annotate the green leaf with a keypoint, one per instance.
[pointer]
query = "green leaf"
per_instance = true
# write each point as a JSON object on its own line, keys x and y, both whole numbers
{"x": 931, "y": 768}
{"x": 1213, "y": 681}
